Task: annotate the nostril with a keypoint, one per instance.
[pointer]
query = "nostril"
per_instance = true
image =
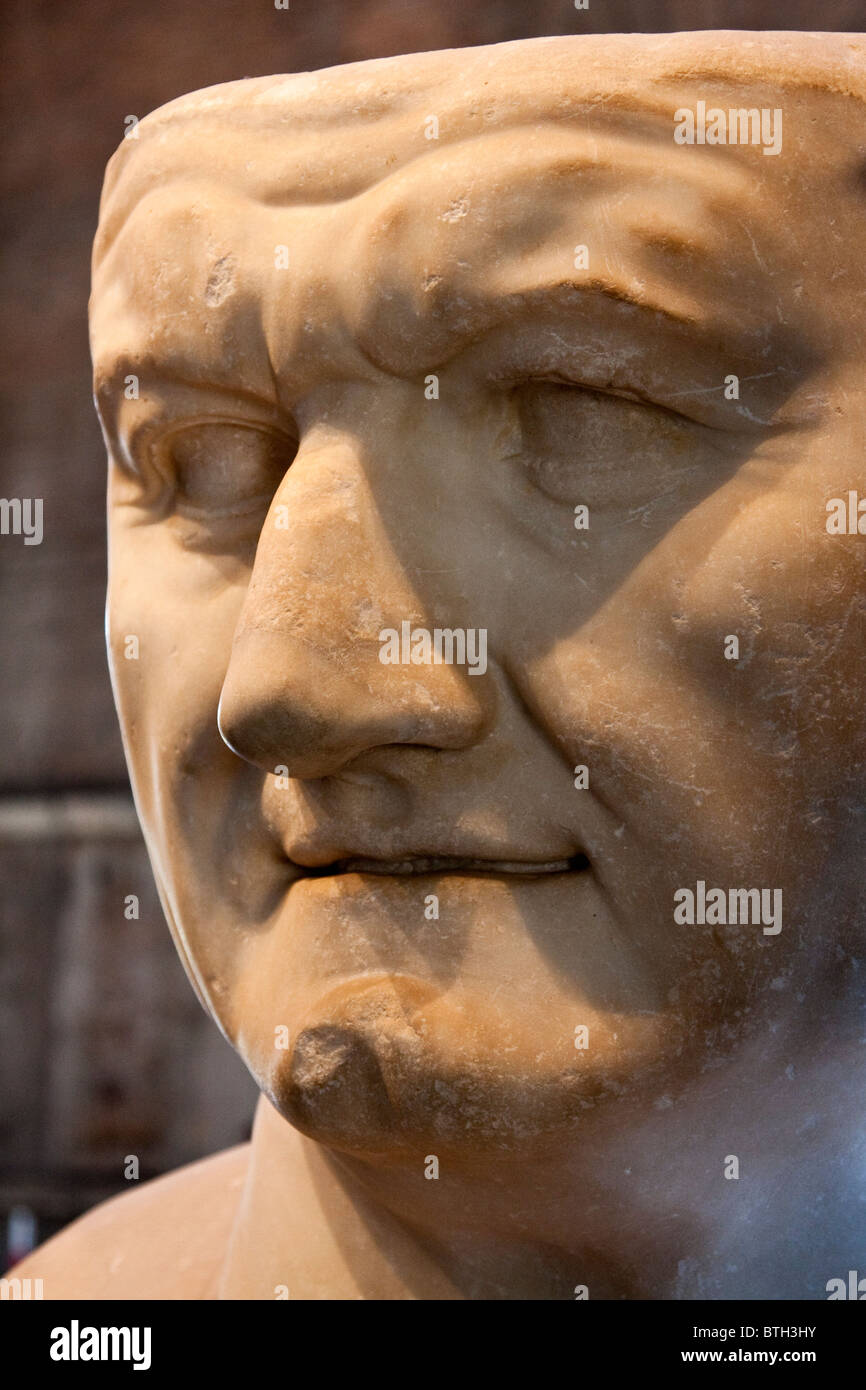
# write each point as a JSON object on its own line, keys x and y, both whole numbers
{"x": 291, "y": 703}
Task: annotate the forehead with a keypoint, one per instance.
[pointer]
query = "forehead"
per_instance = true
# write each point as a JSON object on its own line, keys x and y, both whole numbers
{"x": 330, "y": 133}
{"x": 413, "y": 189}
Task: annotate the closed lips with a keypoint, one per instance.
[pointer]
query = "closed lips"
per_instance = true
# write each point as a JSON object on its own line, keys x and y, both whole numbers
{"x": 439, "y": 864}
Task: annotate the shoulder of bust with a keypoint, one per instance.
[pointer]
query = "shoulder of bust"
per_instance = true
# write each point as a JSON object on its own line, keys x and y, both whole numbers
{"x": 163, "y": 1240}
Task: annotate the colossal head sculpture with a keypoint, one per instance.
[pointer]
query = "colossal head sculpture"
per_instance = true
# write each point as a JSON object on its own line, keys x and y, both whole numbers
{"x": 486, "y": 439}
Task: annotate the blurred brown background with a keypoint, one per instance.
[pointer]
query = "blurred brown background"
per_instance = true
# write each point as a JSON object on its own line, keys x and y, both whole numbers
{"x": 104, "y": 1052}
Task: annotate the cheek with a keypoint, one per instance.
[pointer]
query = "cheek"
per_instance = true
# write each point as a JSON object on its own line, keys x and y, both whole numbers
{"x": 171, "y": 619}
{"x": 770, "y": 624}
{"x": 702, "y": 751}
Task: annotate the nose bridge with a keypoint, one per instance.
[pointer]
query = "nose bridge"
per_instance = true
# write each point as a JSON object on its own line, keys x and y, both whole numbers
{"x": 312, "y": 566}
{"x": 306, "y": 687}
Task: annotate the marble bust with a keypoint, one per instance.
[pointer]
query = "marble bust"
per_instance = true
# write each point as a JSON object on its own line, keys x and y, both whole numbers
{"x": 485, "y": 615}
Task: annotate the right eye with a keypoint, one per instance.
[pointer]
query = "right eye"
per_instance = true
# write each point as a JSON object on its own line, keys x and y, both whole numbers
{"x": 225, "y": 470}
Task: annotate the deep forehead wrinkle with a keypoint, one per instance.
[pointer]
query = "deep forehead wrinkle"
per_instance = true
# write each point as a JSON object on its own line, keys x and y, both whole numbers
{"x": 431, "y": 255}
{"x": 270, "y": 130}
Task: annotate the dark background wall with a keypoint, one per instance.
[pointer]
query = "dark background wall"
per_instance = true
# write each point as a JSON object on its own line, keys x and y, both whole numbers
{"x": 104, "y": 1052}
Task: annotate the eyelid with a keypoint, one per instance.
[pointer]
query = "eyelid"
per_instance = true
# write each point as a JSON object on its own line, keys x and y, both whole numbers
{"x": 163, "y": 438}
{"x": 150, "y": 453}
{"x": 621, "y": 393}
{"x": 143, "y": 456}
{"x": 214, "y": 515}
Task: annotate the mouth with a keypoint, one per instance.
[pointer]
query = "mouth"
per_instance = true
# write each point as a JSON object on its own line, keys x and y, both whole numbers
{"x": 449, "y": 864}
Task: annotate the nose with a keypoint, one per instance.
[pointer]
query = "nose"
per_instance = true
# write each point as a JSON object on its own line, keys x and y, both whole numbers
{"x": 305, "y": 688}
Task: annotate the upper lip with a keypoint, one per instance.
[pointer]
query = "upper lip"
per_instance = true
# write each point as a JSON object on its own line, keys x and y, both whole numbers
{"x": 444, "y": 863}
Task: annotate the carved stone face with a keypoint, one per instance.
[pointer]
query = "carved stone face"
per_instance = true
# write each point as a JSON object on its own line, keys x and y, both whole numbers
{"x": 450, "y": 341}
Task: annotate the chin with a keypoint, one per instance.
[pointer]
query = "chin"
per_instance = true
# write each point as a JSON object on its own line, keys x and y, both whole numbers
{"x": 376, "y": 1080}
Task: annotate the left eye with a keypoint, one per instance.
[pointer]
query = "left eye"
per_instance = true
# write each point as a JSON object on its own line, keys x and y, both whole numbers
{"x": 224, "y": 469}
{"x": 603, "y": 449}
